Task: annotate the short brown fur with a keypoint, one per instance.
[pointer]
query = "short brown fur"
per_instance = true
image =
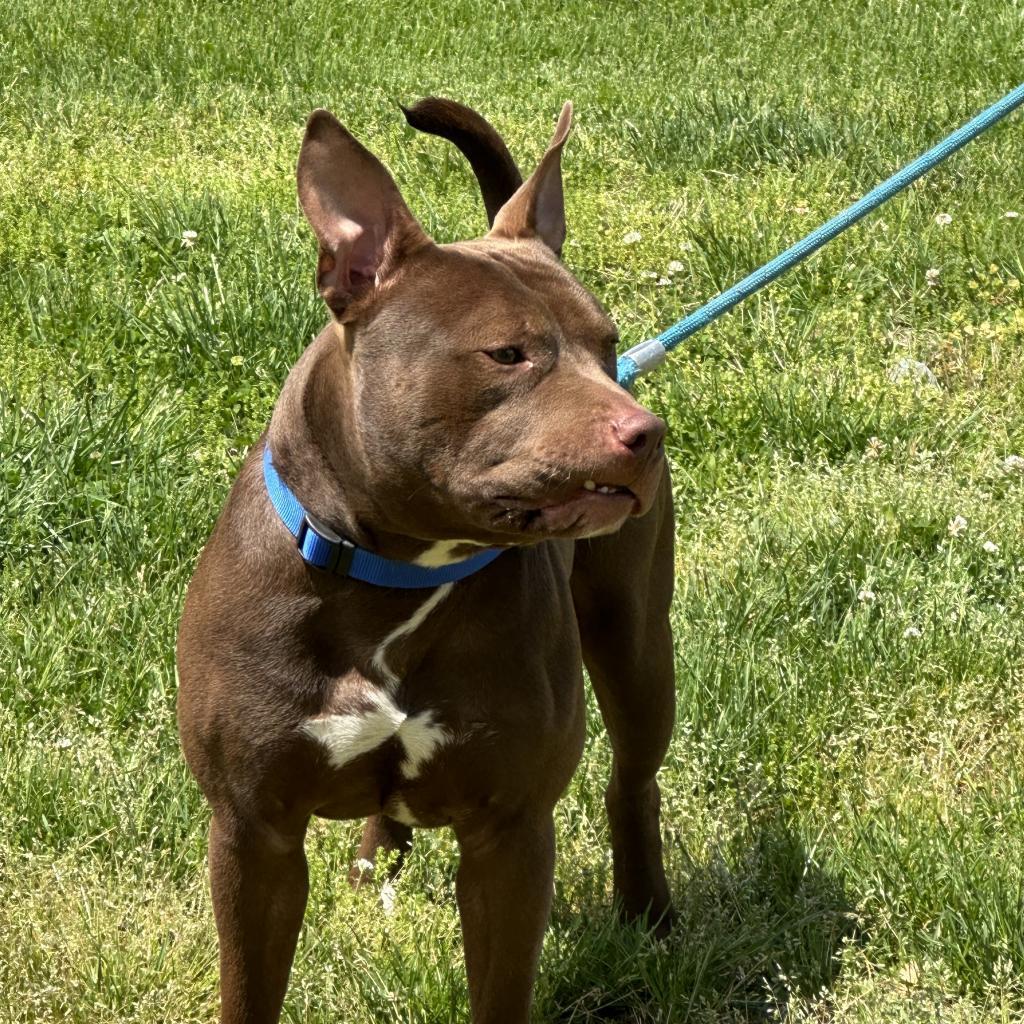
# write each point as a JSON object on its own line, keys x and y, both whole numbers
{"x": 407, "y": 426}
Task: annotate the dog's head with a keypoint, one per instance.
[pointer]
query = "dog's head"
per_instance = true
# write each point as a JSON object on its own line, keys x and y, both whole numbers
{"x": 481, "y": 373}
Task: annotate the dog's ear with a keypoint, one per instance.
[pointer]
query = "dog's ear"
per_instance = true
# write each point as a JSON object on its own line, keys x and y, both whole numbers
{"x": 356, "y": 211}
{"x": 537, "y": 209}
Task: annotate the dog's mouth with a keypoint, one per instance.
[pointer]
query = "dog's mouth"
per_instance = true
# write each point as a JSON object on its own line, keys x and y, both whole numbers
{"x": 589, "y": 509}
{"x": 594, "y": 487}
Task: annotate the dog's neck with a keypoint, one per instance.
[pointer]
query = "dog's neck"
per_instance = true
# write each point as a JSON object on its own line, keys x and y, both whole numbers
{"x": 316, "y": 444}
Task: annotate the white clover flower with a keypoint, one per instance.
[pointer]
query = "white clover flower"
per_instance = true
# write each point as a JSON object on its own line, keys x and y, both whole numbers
{"x": 674, "y": 266}
{"x": 662, "y": 282}
{"x": 388, "y": 893}
{"x": 956, "y": 526}
{"x": 1011, "y": 215}
{"x": 188, "y": 238}
{"x": 931, "y": 276}
{"x": 866, "y": 596}
{"x": 631, "y": 237}
{"x": 911, "y": 633}
{"x": 63, "y": 743}
{"x": 913, "y": 369}
{"x": 942, "y": 219}
{"x": 801, "y": 209}
{"x": 991, "y": 547}
{"x": 1013, "y": 464}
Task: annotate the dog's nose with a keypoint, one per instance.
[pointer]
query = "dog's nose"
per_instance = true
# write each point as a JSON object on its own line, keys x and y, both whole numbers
{"x": 640, "y": 431}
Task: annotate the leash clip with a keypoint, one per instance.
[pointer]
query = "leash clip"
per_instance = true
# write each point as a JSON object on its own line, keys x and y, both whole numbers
{"x": 326, "y": 549}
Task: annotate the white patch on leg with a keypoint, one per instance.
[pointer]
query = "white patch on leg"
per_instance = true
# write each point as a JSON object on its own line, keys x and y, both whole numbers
{"x": 409, "y": 626}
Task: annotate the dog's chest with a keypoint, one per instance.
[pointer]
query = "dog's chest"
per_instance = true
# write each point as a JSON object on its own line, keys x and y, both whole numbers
{"x": 473, "y": 701}
{"x": 373, "y": 710}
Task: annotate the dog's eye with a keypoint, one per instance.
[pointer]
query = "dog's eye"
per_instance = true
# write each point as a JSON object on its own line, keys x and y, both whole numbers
{"x": 508, "y": 356}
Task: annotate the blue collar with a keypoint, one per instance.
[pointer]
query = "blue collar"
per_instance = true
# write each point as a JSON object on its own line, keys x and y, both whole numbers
{"x": 321, "y": 547}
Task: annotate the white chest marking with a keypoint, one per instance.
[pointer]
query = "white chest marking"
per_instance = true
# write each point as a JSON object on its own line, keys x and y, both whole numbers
{"x": 348, "y": 736}
{"x": 404, "y": 629}
{"x": 398, "y": 809}
{"x": 441, "y": 553}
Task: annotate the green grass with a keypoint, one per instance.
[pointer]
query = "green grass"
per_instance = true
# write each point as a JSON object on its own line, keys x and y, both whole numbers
{"x": 844, "y": 801}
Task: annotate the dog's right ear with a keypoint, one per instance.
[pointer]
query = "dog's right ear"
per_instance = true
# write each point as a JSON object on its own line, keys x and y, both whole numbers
{"x": 357, "y": 213}
{"x": 537, "y": 210}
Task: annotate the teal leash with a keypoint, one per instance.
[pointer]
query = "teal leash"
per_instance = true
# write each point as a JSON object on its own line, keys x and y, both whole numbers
{"x": 649, "y": 354}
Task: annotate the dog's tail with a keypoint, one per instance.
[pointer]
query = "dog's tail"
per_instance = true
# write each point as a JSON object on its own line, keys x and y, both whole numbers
{"x": 479, "y": 143}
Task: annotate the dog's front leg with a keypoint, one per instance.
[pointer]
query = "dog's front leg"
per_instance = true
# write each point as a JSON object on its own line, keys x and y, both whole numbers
{"x": 259, "y": 882}
{"x": 504, "y": 887}
{"x": 622, "y": 587}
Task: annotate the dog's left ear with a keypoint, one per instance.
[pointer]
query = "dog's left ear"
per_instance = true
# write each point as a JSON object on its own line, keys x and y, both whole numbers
{"x": 537, "y": 210}
{"x": 358, "y": 215}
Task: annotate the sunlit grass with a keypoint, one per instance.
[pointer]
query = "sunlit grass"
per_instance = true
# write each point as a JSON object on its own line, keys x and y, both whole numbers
{"x": 844, "y": 808}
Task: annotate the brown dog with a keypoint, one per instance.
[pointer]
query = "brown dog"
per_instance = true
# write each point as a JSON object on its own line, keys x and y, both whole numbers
{"x": 463, "y": 397}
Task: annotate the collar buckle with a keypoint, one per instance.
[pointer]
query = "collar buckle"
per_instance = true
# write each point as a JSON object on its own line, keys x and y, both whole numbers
{"x": 321, "y": 547}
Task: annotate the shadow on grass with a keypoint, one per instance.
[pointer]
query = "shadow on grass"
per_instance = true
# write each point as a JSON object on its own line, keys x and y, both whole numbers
{"x": 758, "y": 922}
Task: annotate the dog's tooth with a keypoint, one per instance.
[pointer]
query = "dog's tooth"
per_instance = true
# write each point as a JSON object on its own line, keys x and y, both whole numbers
{"x": 604, "y": 490}
{"x": 589, "y": 485}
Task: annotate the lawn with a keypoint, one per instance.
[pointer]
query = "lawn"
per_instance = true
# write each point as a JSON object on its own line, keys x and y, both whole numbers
{"x": 844, "y": 797}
